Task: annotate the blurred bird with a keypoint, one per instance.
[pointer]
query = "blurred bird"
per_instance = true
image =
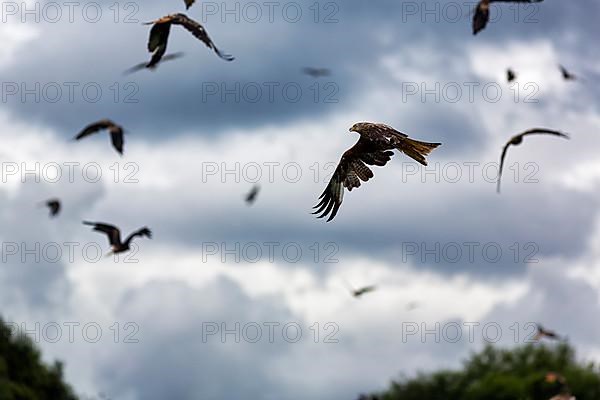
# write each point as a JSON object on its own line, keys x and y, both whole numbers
{"x": 567, "y": 76}
{"x": 114, "y": 236}
{"x": 482, "y": 12}
{"x": 316, "y": 72}
{"x": 159, "y": 36}
{"x": 188, "y": 3}
{"x": 360, "y": 291}
{"x": 54, "y": 206}
{"x": 544, "y": 333}
{"x": 413, "y": 305}
{"x": 251, "y": 196}
{"x": 116, "y": 132}
{"x": 510, "y": 75}
{"x": 518, "y": 139}
{"x": 373, "y": 149}
{"x": 153, "y": 65}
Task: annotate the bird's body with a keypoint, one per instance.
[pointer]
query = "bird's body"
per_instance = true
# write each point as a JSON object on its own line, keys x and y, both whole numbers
{"x": 510, "y": 75}
{"x": 251, "y": 196}
{"x": 159, "y": 36}
{"x": 316, "y": 72}
{"x": 373, "y": 148}
{"x": 54, "y": 206}
{"x": 116, "y": 132}
{"x": 481, "y": 15}
{"x": 517, "y": 140}
{"x": 188, "y": 3}
{"x": 114, "y": 236}
{"x": 363, "y": 290}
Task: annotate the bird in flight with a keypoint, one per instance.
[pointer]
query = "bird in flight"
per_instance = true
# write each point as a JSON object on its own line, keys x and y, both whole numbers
{"x": 373, "y": 148}
{"x": 482, "y": 12}
{"x": 188, "y": 3}
{"x": 545, "y": 333}
{"x": 567, "y": 76}
{"x": 114, "y": 236}
{"x": 159, "y": 36}
{"x": 54, "y": 206}
{"x": 316, "y": 72}
{"x": 251, "y": 196}
{"x": 153, "y": 65}
{"x": 517, "y": 140}
{"x": 510, "y": 75}
{"x": 116, "y": 132}
{"x": 360, "y": 291}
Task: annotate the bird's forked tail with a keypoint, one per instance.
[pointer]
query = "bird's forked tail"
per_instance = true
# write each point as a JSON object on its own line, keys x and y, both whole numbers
{"x": 416, "y": 150}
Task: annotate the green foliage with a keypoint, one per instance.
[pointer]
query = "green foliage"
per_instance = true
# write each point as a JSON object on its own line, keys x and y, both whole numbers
{"x": 501, "y": 374}
{"x": 23, "y": 376}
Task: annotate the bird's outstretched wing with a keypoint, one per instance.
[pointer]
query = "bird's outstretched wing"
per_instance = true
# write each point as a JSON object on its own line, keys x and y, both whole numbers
{"x": 502, "y": 157}
{"x": 348, "y": 174}
{"x": 188, "y": 3}
{"x": 199, "y": 32}
{"x": 141, "y": 233}
{"x": 113, "y": 233}
{"x": 158, "y": 40}
{"x": 94, "y": 127}
{"x": 152, "y": 65}
{"x": 116, "y": 138}
{"x": 543, "y": 131}
{"x": 251, "y": 196}
{"x": 364, "y": 290}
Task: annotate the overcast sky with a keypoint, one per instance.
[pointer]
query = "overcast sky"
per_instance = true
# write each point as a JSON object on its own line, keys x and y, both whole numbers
{"x": 202, "y": 131}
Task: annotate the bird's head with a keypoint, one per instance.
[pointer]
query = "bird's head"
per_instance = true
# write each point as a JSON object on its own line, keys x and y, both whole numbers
{"x": 358, "y": 127}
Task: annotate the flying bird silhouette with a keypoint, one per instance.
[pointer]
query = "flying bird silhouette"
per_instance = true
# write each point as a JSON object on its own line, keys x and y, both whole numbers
{"x": 159, "y": 36}
{"x": 373, "y": 148}
{"x": 188, "y": 3}
{"x": 116, "y": 132}
{"x": 251, "y": 196}
{"x": 510, "y": 75}
{"x": 567, "y": 76}
{"x": 54, "y": 206}
{"x": 114, "y": 236}
{"x": 517, "y": 140}
{"x": 316, "y": 72}
{"x": 360, "y": 291}
{"x": 153, "y": 65}
{"x": 482, "y": 12}
{"x": 545, "y": 333}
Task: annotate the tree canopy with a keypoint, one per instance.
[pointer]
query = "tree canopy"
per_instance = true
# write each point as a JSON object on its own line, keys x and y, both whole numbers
{"x": 531, "y": 372}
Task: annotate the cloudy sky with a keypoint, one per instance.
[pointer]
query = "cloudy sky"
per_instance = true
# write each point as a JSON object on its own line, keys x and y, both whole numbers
{"x": 229, "y": 301}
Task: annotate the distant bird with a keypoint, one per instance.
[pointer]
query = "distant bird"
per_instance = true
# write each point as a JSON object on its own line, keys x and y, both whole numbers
{"x": 373, "y": 149}
{"x": 482, "y": 12}
{"x": 54, "y": 206}
{"x": 188, "y": 3}
{"x": 510, "y": 75}
{"x": 567, "y": 76}
{"x": 517, "y": 140}
{"x": 413, "y": 305}
{"x": 152, "y": 66}
{"x": 116, "y": 132}
{"x": 251, "y": 196}
{"x": 316, "y": 72}
{"x": 159, "y": 36}
{"x": 114, "y": 236}
{"x": 544, "y": 333}
{"x": 360, "y": 291}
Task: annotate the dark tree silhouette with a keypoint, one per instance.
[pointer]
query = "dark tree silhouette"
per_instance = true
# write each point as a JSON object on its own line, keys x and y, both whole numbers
{"x": 23, "y": 376}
